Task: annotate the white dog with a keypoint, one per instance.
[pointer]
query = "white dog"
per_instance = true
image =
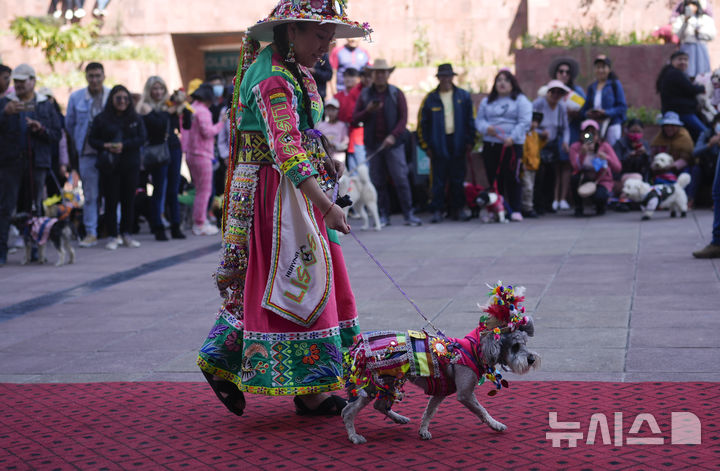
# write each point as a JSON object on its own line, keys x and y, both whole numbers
{"x": 666, "y": 196}
{"x": 662, "y": 162}
{"x": 364, "y": 197}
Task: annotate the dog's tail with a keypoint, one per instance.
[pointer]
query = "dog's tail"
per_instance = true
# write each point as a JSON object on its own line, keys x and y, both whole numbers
{"x": 683, "y": 180}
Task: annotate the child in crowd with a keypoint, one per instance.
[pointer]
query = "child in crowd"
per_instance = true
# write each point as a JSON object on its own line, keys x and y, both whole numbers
{"x": 334, "y": 130}
{"x": 530, "y": 164}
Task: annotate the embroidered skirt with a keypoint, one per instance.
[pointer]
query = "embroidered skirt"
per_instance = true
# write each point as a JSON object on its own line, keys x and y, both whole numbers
{"x": 253, "y": 347}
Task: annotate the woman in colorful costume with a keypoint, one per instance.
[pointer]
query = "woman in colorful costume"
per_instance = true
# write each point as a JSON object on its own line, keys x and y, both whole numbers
{"x": 288, "y": 310}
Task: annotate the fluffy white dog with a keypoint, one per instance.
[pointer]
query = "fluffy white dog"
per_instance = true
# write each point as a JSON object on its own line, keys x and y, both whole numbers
{"x": 358, "y": 186}
{"x": 662, "y": 162}
{"x": 666, "y": 196}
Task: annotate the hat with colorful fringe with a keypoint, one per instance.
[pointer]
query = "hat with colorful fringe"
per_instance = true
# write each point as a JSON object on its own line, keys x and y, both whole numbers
{"x": 317, "y": 11}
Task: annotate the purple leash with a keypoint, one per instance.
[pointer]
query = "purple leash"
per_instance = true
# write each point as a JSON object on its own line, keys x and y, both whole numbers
{"x": 377, "y": 262}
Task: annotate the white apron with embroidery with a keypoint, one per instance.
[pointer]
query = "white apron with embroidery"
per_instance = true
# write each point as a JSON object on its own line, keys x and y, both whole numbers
{"x": 299, "y": 282}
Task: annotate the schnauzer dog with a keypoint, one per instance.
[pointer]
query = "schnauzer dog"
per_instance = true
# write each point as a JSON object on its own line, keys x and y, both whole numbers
{"x": 379, "y": 363}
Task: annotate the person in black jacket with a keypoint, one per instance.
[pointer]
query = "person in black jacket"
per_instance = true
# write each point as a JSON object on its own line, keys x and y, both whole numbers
{"x": 322, "y": 72}
{"x": 120, "y": 132}
{"x": 678, "y": 93}
{"x": 160, "y": 116}
{"x": 447, "y": 133}
{"x": 29, "y": 128}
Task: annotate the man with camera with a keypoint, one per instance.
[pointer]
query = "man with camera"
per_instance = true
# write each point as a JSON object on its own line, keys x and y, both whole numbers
{"x": 82, "y": 108}
{"x": 29, "y": 127}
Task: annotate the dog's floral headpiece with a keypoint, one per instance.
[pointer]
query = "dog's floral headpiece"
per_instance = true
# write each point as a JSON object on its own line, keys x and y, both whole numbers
{"x": 505, "y": 313}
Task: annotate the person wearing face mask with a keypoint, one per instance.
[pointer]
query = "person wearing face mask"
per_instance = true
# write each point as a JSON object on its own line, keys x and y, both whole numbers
{"x": 288, "y": 309}
{"x": 633, "y": 150}
{"x": 707, "y": 152}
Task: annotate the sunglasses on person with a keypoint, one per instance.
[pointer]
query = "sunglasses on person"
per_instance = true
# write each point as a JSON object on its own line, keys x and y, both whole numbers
{"x": 563, "y": 71}
{"x": 121, "y": 98}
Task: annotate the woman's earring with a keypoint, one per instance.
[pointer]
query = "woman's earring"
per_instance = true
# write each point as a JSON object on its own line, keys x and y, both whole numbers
{"x": 291, "y": 54}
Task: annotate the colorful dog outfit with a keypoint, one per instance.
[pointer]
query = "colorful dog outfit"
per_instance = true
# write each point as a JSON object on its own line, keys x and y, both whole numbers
{"x": 289, "y": 310}
{"x": 385, "y": 359}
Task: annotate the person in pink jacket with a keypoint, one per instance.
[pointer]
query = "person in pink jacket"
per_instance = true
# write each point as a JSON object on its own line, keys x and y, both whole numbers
{"x": 200, "y": 156}
{"x": 593, "y": 161}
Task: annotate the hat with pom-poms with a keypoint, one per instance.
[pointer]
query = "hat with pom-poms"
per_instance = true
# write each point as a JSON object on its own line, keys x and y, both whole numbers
{"x": 505, "y": 311}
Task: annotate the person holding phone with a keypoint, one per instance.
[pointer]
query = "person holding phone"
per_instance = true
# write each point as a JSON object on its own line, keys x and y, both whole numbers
{"x": 593, "y": 162}
{"x": 120, "y": 131}
{"x": 29, "y": 128}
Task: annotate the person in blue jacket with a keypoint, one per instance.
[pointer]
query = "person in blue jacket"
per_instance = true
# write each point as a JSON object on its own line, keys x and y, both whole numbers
{"x": 605, "y": 101}
{"x": 447, "y": 133}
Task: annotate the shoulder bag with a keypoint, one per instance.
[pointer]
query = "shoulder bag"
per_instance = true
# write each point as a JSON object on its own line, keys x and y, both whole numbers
{"x": 157, "y": 155}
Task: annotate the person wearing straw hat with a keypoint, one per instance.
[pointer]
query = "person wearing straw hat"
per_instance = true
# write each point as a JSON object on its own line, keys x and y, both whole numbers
{"x": 288, "y": 309}
{"x": 382, "y": 109}
{"x": 446, "y": 131}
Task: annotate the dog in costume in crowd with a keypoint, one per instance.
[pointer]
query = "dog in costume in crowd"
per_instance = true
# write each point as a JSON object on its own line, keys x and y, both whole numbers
{"x": 37, "y": 231}
{"x": 362, "y": 193}
{"x": 379, "y": 363}
{"x": 663, "y": 168}
{"x": 666, "y": 196}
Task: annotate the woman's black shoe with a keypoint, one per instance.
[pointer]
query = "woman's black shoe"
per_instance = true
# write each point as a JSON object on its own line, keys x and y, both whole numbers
{"x": 175, "y": 232}
{"x": 160, "y": 234}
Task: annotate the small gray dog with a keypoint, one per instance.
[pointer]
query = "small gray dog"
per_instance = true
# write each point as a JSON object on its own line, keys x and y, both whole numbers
{"x": 380, "y": 363}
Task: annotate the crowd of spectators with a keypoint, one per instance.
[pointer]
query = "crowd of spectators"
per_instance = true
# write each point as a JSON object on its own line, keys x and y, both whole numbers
{"x": 538, "y": 152}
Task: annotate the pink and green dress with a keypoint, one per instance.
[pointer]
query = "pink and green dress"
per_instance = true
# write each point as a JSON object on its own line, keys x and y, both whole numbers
{"x": 288, "y": 312}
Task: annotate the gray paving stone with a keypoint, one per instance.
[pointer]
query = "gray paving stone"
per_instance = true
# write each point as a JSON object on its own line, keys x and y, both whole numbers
{"x": 568, "y": 337}
{"x": 587, "y": 319}
{"x": 582, "y": 360}
{"x": 585, "y": 303}
{"x": 678, "y": 360}
{"x": 586, "y": 281}
{"x": 688, "y": 337}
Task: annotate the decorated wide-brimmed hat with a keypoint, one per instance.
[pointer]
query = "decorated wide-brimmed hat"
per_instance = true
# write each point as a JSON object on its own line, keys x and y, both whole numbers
{"x": 315, "y": 11}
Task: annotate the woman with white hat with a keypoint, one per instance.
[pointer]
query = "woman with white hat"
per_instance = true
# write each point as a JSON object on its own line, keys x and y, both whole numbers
{"x": 288, "y": 309}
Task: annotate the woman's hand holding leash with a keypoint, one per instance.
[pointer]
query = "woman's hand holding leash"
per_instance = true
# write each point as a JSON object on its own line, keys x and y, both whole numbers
{"x": 335, "y": 219}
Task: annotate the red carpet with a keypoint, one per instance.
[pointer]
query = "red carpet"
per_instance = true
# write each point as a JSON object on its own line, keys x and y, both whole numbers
{"x": 183, "y": 426}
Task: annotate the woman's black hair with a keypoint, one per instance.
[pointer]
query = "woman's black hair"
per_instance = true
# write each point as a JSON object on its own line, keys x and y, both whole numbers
{"x": 681, "y": 7}
{"x": 127, "y": 116}
{"x": 570, "y": 83}
{"x": 282, "y": 43}
{"x": 633, "y": 122}
{"x": 516, "y": 90}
